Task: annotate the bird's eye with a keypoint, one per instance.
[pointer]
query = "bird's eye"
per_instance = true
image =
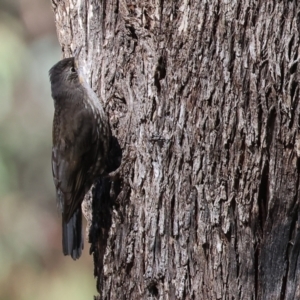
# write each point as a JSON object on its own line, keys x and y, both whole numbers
{"x": 73, "y": 70}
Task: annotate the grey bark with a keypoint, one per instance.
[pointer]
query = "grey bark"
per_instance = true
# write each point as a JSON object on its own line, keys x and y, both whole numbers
{"x": 203, "y": 98}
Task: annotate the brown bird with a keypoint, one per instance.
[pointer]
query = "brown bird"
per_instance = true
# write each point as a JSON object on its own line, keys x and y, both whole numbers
{"x": 81, "y": 138}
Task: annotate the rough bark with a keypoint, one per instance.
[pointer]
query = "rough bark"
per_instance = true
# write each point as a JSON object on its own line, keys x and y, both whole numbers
{"x": 203, "y": 98}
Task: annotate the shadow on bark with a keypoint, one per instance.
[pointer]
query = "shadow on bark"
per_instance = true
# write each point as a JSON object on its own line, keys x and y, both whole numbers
{"x": 104, "y": 198}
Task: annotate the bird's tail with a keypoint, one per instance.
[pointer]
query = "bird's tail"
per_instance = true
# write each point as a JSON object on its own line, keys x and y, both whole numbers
{"x": 72, "y": 238}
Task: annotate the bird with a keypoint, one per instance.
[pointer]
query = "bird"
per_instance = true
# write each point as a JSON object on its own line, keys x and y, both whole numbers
{"x": 81, "y": 138}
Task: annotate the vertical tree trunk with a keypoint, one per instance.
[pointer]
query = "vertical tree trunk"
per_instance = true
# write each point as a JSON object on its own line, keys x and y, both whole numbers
{"x": 203, "y": 98}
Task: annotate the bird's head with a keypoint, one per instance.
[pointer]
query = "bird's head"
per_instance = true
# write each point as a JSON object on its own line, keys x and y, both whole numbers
{"x": 64, "y": 75}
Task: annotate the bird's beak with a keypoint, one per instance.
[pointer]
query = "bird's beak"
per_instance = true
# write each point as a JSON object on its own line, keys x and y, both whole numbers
{"x": 76, "y": 56}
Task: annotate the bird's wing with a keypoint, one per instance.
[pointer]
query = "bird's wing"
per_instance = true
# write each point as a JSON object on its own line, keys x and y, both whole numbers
{"x": 73, "y": 154}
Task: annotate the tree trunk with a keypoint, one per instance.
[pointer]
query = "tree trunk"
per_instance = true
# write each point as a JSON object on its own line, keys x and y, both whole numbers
{"x": 203, "y": 99}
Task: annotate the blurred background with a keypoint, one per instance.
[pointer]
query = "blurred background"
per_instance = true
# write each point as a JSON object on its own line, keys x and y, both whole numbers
{"x": 32, "y": 265}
